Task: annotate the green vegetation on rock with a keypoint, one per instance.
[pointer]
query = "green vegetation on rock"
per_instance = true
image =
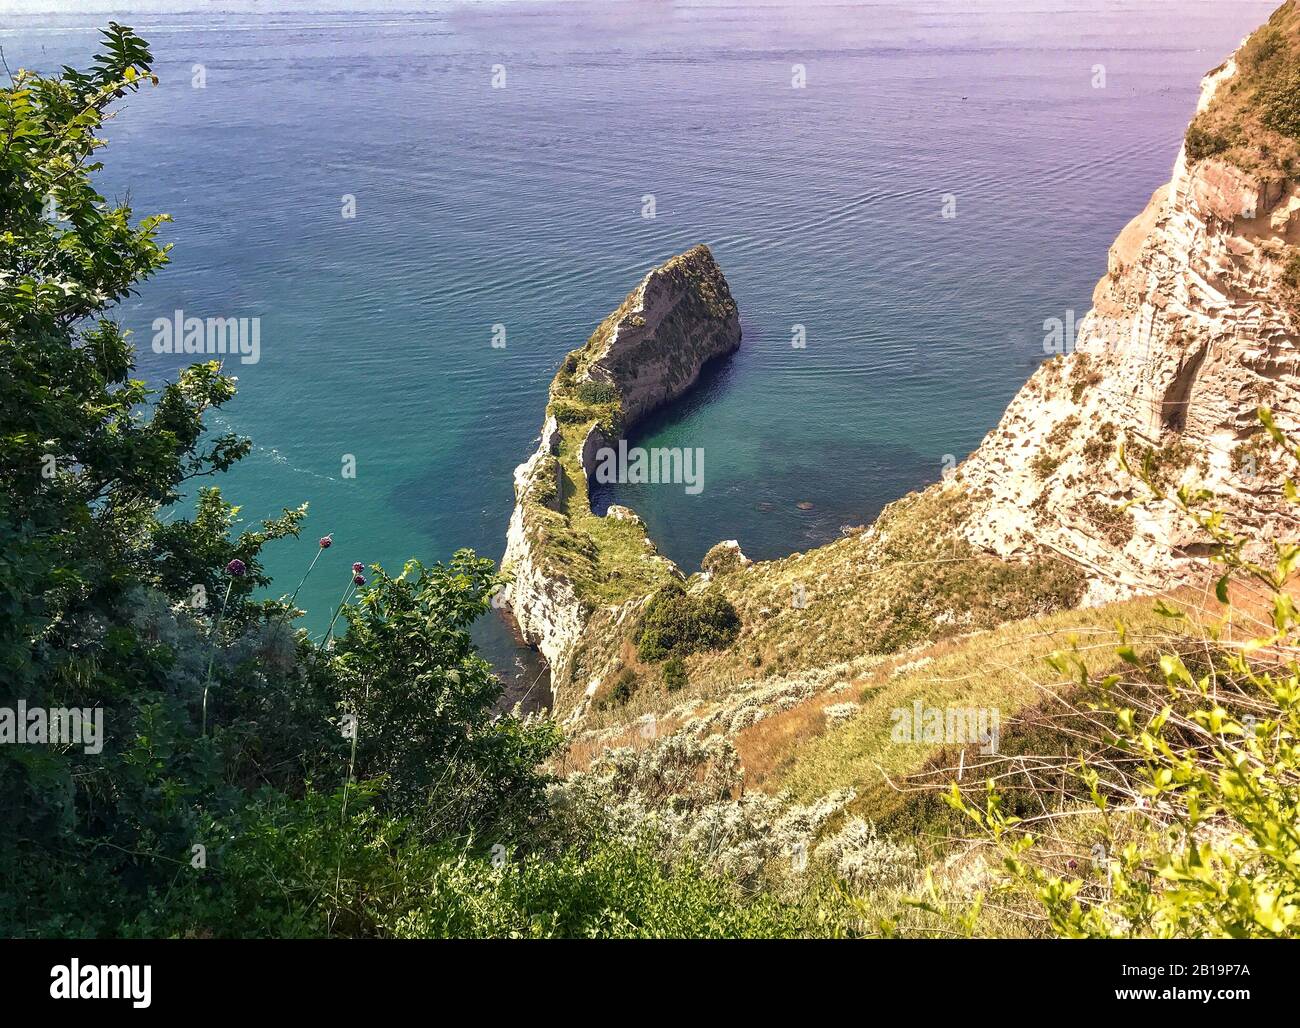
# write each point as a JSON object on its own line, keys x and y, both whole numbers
{"x": 1254, "y": 118}
{"x": 608, "y": 560}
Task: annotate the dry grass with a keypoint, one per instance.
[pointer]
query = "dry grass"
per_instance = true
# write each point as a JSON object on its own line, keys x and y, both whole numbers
{"x": 796, "y": 749}
{"x": 1002, "y": 669}
{"x": 583, "y": 750}
{"x": 910, "y": 580}
{"x": 767, "y": 749}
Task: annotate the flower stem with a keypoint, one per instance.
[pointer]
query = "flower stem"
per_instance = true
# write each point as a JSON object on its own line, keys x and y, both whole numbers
{"x": 207, "y": 681}
{"x": 288, "y": 606}
{"x": 352, "y": 759}
{"x": 347, "y": 784}
{"x": 329, "y": 632}
{"x": 319, "y": 551}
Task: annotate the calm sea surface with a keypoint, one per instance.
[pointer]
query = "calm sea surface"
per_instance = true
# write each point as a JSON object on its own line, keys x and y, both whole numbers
{"x": 522, "y": 207}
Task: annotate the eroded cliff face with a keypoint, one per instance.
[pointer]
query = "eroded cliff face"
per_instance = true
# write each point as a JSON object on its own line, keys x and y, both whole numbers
{"x": 566, "y": 561}
{"x": 1192, "y": 329}
{"x": 546, "y": 609}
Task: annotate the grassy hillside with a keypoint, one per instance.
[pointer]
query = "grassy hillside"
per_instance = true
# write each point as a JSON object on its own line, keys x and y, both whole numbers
{"x": 906, "y": 581}
{"x": 783, "y": 782}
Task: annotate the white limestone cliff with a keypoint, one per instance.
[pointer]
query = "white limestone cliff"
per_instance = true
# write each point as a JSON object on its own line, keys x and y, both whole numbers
{"x": 1189, "y": 334}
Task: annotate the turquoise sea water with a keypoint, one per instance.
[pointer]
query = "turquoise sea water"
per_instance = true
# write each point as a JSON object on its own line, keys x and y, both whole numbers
{"x": 523, "y": 207}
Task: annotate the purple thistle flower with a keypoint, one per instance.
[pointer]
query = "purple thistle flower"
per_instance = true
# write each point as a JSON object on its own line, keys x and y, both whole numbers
{"x": 358, "y": 567}
{"x": 359, "y": 579}
{"x": 236, "y": 568}
{"x": 326, "y": 542}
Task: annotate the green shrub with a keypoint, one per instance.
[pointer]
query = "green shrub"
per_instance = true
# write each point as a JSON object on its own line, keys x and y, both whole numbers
{"x": 1115, "y": 524}
{"x": 1291, "y": 270}
{"x": 1045, "y": 464}
{"x": 675, "y": 623}
{"x": 1052, "y": 455}
{"x": 305, "y": 868}
{"x": 1263, "y": 46}
{"x": 568, "y": 413}
{"x": 674, "y": 674}
{"x": 620, "y": 690}
{"x": 1102, "y": 446}
{"x": 1084, "y": 377}
{"x": 595, "y": 393}
{"x": 1202, "y": 142}
{"x": 425, "y": 703}
{"x": 218, "y": 712}
{"x": 1279, "y": 99}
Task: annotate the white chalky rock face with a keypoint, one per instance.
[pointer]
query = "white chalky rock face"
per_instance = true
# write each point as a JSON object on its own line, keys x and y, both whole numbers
{"x": 546, "y": 610}
{"x": 1190, "y": 332}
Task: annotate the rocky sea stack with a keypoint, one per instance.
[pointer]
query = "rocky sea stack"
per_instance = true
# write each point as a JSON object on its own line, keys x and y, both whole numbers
{"x": 565, "y": 560}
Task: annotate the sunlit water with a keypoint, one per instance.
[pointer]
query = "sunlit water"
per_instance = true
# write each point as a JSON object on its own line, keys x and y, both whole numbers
{"x": 523, "y": 207}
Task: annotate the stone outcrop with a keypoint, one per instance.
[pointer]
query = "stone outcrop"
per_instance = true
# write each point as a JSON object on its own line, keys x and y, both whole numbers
{"x": 648, "y": 352}
{"x": 724, "y": 557}
{"x": 654, "y": 346}
{"x": 1192, "y": 329}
